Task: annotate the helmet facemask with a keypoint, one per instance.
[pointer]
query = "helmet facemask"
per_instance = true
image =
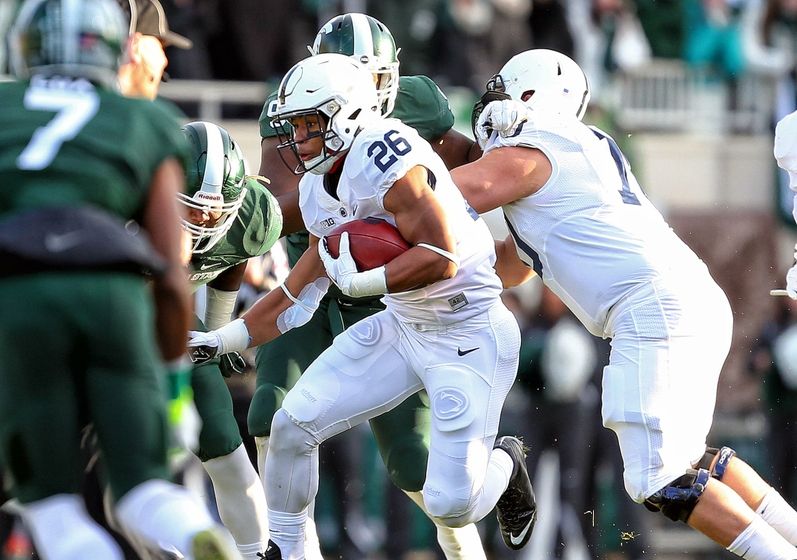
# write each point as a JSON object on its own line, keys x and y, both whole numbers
{"x": 333, "y": 97}
{"x": 215, "y": 182}
{"x": 318, "y": 124}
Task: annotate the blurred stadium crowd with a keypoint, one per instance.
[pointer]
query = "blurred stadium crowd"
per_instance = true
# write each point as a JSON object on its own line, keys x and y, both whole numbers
{"x": 555, "y": 403}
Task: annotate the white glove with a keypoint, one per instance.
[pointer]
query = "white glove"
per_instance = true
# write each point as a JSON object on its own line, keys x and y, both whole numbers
{"x": 791, "y": 278}
{"x": 343, "y": 272}
{"x": 503, "y": 117}
{"x": 204, "y": 346}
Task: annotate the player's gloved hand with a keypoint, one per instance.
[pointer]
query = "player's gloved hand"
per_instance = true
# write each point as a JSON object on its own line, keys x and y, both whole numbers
{"x": 343, "y": 272}
{"x": 232, "y": 364}
{"x": 504, "y": 117}
{"x": 791, "y": 278}
{"x": 204, "y": 346}
{"x": 184, "y": 421}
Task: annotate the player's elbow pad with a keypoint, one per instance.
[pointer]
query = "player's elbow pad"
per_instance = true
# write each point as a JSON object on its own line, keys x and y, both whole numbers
{"x": 304, "y": 306}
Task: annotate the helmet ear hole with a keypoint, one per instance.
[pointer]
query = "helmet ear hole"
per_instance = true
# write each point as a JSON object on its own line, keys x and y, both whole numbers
{"x": 527, "y": 95}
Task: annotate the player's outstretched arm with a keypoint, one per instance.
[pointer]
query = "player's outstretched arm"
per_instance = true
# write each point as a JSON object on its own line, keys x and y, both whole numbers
{"x": 501, "y": 176}
{"x": 289, "y": 306}
{"x": 510, "y": 269}
{"x": 162, "y": 223}
{"x": 456, "y": 149}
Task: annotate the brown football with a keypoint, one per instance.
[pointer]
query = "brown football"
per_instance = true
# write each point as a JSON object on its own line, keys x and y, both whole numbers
{"x": 373, "y": 242}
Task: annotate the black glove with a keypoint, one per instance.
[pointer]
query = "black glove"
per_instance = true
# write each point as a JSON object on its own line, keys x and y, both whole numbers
{"x": 232, "y": 364}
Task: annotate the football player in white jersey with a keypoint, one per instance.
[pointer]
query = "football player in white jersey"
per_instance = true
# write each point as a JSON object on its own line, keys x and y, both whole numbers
{"x": 581, "y": 221}
{"x": 786, "y": 156}
{"x": 444, "y": 328}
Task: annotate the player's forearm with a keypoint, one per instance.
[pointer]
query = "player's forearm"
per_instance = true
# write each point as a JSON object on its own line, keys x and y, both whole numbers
{"x": 173, "y": 313}
{"x": 261, "y": 318}
{"x": 508, "y": 266}
{"x": 417, "y": 268}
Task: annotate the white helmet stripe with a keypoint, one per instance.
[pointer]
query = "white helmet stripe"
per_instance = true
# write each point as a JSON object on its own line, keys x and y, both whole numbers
{"x": 363, "y": 39}
{"x": 71, "y": 22}
{"x": 213, "y": 176}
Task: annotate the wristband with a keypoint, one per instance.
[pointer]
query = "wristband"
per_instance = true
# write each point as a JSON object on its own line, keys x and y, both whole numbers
{"x": 233, "y": 337}
{"x": 219, "y": 307}
{"x": 369, "y": 283}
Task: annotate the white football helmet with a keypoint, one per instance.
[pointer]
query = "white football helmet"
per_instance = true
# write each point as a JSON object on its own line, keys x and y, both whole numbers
{"x": 368, "y": 41}
{"x": 333, "y": 87}
{"x": 215, "y": 179}
{"x": 544, "y": 80}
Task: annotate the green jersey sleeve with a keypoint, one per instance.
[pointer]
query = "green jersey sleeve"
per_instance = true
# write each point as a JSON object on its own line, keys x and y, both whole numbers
{"x": 421, "y": 105}
{"x": 255, "y": 231}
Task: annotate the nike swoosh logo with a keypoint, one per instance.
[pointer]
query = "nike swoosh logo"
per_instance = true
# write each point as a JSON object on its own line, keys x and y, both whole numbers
{"x": 519, "y": 539}
{"x": 57, "y": 243}
{"x": 462, "y": 352}
{"x": 206, "y": 266}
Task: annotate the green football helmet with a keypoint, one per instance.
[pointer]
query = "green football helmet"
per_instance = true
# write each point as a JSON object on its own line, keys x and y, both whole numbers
{"x": 368, "y": 41}
{"x": 214, "y": 183}
{"x": 70, "y": 38}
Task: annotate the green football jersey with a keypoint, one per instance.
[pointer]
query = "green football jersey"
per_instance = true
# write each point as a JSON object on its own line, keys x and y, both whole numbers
{"x": 419, "y": 104}
{"x": 255, "y": 230}
{"x": 69, "y": 143}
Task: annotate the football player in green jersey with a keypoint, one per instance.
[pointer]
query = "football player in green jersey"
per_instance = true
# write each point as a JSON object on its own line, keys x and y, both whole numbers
{"x": 84, "y": 333}
{"x": 230, "y": 217}
{"x": 401, "y": 434}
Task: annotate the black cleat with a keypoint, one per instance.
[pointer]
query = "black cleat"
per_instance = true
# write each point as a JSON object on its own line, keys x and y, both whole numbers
{"x": 516, "y": 509}
{"x": 272, "y": 552}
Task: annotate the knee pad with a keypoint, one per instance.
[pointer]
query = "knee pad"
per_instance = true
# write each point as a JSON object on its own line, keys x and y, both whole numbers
{"x": 677, "y": 500}
{"x": 725, "y": 456}
{"x": 450, "y": 510}
{"x": 287, "y": 436}
{"x": 266, "y": 400}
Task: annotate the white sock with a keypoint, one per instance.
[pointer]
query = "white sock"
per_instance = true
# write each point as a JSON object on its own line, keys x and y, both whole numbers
{"x": 779, "y": 514}
{"x": 463, "y": 543}
{"x": 261, "y": 444}
{"x": 240, "y": 499}
{"x": 287, "y": 532}
{"x": 163, "y": 514}
{"x": 63, "y": 530}
{"x": 759, "y": 541}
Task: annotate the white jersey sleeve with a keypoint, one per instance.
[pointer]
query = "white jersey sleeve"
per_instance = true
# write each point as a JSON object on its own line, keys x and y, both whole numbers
{"x": 785, "y": 151}
{"x": 382, "y": 155}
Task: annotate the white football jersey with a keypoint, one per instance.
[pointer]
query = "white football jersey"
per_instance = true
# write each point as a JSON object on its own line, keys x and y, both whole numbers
{"x": 590, "y": 232}
{"x": 378, "y": 158}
